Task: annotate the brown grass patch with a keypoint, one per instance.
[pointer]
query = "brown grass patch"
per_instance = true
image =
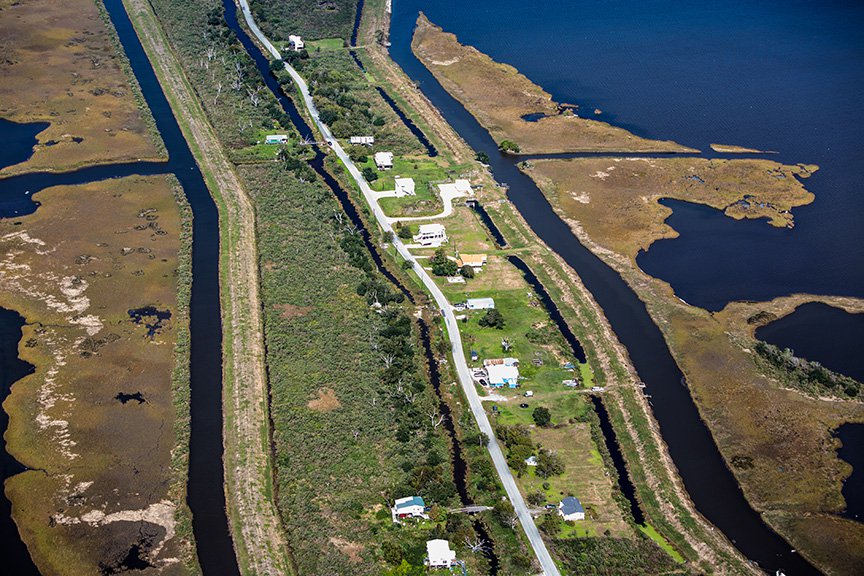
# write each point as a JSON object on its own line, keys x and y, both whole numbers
{"x": 292, "y": 311}
{"x": 325, "y": 402}
{"x": 60, "y": 66}
{"x": 351, "y": 549}
{"x": 498, "y": 96}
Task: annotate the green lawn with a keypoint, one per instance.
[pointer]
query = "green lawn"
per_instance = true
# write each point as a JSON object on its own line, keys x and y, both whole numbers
{"x": 324, "y": 44}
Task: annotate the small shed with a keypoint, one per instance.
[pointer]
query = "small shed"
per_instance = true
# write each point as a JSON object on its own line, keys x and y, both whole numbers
{"x": 571, "y": 509}
{"x": 439, "y": 554}
{"x": 480, "y": 303}
{"x": 531, "y": 461}
{"x": 404, "y": 187}
{"x": 475, "y": 261}
{"x": 384, "y": 160}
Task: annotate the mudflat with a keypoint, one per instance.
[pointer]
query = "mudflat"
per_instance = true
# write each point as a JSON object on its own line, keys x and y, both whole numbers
{"x": 60, "y": 66}
{"x": 94, "y": 273}
{"x": 499, "y": 97}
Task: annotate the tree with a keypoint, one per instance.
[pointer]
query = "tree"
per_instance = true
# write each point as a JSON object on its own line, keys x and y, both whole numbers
{"x": 369, "y": 174}
{"x": 466, "y": 271}
{"x": 442, "y": 265}
{"x": 550, "y": 524}
{"x": 392, "y": 553}
{"x": 492, "y": 319}
{"x": 537, "y": 498}
{"x": 549, "y": 464}
{"x": 541, "y": 416}
{"x": 482, "y": 157}
{"x": 403, "y": 231}
{"x": 504, "y": 513}
{"x": 509, "y": 146}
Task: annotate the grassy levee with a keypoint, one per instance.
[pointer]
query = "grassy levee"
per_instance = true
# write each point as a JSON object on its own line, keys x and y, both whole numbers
{"x": 257, "y": 533}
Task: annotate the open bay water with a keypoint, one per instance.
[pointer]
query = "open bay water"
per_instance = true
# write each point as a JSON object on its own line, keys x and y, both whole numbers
{"x": 780, "y": 76}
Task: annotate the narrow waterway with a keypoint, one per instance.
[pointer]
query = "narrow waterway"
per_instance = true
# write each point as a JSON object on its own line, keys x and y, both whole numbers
{"x": 206, "y": 494}
{"x": 709, "y": 482}
{"x": 460, "y": 467}
{"x": 16, "y": 557}
{"x": 852, "y": 437}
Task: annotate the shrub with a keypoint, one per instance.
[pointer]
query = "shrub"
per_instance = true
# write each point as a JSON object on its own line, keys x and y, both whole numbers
{"x": 467, "y": 271}
{"x": 492, "y": 319}
{"x": 541, "y": 416}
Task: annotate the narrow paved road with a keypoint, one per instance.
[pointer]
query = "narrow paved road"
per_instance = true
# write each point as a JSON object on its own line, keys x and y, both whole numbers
{"x": 543, "y": 556}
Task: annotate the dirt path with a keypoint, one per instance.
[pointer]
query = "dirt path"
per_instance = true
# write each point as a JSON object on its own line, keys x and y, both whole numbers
{"x": 258, "y": 537}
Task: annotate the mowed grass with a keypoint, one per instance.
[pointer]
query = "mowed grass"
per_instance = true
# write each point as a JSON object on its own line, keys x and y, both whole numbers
{"x": 658, "y": 538}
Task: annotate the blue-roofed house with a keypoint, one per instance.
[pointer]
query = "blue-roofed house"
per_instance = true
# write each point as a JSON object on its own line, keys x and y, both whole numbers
{"x": 409, "y": 507}
{"x": 571, "y": 509}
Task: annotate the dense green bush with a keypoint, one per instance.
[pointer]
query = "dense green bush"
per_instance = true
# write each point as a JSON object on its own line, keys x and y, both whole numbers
{"x": 805, "y": 375}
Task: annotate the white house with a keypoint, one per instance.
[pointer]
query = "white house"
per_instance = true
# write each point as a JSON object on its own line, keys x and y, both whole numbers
{"x": 531, "y": 461}
{"x": 363, "y": 140}
{"x": 456, "y": 189}
{"x": 439, "y": 555}
{"x": 480, "y": 303}
{"x": 571, "y": 509}
{"x": 295, "y": 42}
{"x": 431, "y": 235}
{"x": 276, "y": 139}
{"x": 384, "y": 160}
{"x": 501, "y": 375}
{"x": 408, "y": 507}
{"x": 404, "y": 187}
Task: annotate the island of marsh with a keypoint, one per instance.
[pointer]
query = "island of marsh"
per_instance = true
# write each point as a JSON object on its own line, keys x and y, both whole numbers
{"x": 501, "y": 99}
{"x": 62, "y": 65}
{"x": 616, "y": 199}
{"x": 95, "y": 274}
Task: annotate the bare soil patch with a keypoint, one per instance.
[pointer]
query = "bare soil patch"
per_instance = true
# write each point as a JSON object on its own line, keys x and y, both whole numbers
{"x": 292, "y": 311}
{"x": 325, "y": 402}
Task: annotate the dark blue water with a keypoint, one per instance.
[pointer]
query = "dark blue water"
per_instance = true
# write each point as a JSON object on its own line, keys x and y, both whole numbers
{"x": 852, "y": 437}
{"x": 18, "y": 141}
{"x": 706, "y": 478}
{"x": 16, "y": 558}
{"x": 816, "y": 331}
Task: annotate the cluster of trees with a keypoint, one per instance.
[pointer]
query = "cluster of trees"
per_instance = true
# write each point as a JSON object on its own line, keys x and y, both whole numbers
{"x": 442, "y": 265}
{"x": 509, "y": 146}
{"x": 319, "y": 19}
{"x": 809, "y": 376}
{"x": 492, "y": 319}
{"x": 520, "y": 447}
{"x": 612, "y": 556}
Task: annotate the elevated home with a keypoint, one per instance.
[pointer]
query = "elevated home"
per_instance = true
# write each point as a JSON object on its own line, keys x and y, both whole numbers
{"x": 456, "y": 189}
{"x": 362, "y": 140}
{"x": 432, "y": 235}
{"x": 408, "y": 507}
{"x": 475, "y": 261}
{"x": 276, "y": 139}
{"x": 404, "y": 187}
{"x": 295, "y": 43}
{"x": 571, "y": 509}
{"x": 384, "y": 160}
{"x": 439, "y": 555}
{"x": 501, "y": 375}
{"x": 479, "y": 303}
